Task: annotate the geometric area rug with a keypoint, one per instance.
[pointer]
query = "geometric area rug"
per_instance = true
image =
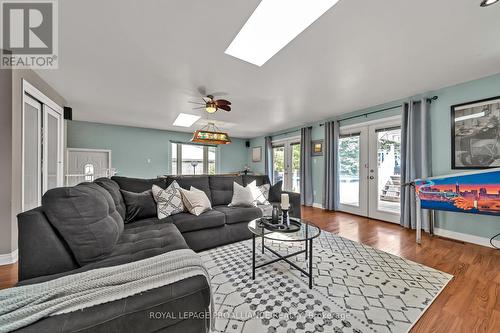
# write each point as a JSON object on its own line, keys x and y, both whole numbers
{"x": 357, "y": 289}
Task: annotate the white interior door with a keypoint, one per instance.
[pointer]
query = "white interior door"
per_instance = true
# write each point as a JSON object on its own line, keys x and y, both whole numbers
{"x": 32, "y": 154}
{"x": 86, "y": 165}
{"x": 52, "y": 149}
{"x": 369, "y": 170}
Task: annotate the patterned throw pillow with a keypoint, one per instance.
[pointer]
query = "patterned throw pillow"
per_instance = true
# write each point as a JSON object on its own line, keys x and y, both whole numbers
{"x": 168, "y": 201}
{"x": 260, "y": 193}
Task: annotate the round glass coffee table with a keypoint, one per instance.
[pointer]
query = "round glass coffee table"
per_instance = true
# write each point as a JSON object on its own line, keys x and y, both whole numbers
{"x": 306, "y": 233}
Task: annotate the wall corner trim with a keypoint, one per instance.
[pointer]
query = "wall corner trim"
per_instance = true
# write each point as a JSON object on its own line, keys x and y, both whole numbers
{"x": 9, "y": 258}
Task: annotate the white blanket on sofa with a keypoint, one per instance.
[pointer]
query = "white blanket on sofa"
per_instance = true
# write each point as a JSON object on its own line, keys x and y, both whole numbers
{"x": 24, "y": 305}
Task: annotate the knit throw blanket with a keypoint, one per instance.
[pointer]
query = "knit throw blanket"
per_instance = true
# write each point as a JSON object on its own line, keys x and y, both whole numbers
{"x": 24, "y": 305}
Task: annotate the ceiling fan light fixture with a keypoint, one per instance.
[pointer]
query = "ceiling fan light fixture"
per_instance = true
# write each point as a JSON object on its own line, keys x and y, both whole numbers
{"x": 486, "y": 3}
{"x": 211, "y": 109}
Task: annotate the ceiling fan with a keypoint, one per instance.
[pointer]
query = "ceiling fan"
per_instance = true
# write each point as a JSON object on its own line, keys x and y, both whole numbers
{"x": 211, "y": 105}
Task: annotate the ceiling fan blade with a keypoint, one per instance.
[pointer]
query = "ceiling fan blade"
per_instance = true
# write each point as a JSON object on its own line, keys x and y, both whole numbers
{"x": 196, "y": 102}
{"x": 224, "y": 107}
{"x": 200, "y": 107}
{"x": 222, "y": 102}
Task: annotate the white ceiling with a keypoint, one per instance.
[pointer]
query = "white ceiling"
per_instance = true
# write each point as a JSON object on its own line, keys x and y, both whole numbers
{"x": 139, "y": 62}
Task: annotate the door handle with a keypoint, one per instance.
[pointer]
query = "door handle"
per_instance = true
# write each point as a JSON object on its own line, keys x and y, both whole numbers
{"x": 371, "y": 177}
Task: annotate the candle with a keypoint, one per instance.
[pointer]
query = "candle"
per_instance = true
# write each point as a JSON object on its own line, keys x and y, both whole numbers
{"x": 285, "y": 201}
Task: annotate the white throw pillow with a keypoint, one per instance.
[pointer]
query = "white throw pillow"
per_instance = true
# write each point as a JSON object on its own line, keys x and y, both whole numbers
{"x": 196, "y": 201}
{"x": 168, "y": 201}
{"x": 242, "y": 196}
{"x": 260, "y": 193}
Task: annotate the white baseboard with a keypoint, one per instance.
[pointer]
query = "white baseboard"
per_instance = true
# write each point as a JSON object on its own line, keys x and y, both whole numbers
{"x": 9, "y": 258}
{"x": 465, "y": 237}
{"x": 317, "y": 205}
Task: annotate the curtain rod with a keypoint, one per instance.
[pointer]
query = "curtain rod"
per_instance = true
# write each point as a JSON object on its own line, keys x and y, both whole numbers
{"x": 433, "y": 98}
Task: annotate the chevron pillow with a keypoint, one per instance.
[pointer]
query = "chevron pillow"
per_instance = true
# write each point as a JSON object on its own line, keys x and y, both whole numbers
{"x": 169, "y": 200}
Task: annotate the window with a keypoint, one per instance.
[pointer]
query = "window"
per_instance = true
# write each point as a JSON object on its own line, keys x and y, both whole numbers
{"x": 189, "y": 159}
{"x": 88, "y": 170}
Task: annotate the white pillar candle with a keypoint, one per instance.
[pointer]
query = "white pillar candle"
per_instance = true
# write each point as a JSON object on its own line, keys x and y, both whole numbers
{"x": 285, "y": 201}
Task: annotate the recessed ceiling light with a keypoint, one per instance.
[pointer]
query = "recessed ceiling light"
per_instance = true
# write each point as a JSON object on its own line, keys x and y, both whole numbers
{"x": 273, "y": 25}
{"x": 186, "y": 120}
{"x": 486, "y": 3}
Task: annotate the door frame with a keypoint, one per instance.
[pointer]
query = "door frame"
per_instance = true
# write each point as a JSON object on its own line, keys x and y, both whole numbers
{"x": 368, "y": 161}
{"x": 31, "y": 94}
{"x": 90, "y": 150}
{"x": 288, "y": 156}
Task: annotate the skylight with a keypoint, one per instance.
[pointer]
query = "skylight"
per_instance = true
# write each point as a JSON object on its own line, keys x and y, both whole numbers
{"x": 273, "y": 25}
{"x": 186, "y": 120}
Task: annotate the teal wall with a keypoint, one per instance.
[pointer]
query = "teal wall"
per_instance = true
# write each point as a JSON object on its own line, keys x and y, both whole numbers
{"x": 483, "y": 226}
{"x": 132, "y": 147}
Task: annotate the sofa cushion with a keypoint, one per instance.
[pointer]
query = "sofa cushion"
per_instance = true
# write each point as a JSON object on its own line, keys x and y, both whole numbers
{"x": 186, "y": 222}
{"x": 239, "y": 214}
{"x": 114, "y": 189}
{"x": 144, "y": 242}
{"x": 86, "y": 217}
{"x": 138, "y": 185}
{"x": 221, "y": 188}
{"x": 199, "y": 182}
{"x": 275, "y": 192}
{"x": 259, "y": 179}
{"x": 139, "y": 205}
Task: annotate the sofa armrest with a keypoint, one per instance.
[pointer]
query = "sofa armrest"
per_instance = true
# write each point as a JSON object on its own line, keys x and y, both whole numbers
{"x": 294, "y": 204}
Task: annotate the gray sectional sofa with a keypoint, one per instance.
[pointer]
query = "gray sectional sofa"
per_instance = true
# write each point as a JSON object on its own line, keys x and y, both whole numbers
{"x": 51, "y": 245}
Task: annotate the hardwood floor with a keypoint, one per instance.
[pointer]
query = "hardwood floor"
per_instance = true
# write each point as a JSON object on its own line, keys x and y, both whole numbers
{"x": 470, "y": 302}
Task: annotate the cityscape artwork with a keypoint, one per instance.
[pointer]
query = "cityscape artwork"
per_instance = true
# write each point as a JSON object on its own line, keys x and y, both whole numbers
{"x": 476, "y": 193}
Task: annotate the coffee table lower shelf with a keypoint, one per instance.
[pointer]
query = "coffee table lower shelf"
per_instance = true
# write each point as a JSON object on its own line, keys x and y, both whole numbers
{"x": 308, "y": 251}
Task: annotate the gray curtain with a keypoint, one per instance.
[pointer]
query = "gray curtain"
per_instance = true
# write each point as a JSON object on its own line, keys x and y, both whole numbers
{"x": 306, "y": 186}
{"x": 415, "y": 157}
{"x": 268, "y": 158}
{"x": 331, "y": 180}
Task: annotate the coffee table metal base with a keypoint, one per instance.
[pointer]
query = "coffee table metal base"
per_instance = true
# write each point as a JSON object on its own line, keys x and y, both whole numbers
{"x": 308, "y": 251}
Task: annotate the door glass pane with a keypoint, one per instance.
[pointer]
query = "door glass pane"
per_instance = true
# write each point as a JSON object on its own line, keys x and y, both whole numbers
{"x": 31, "y": 190}
{"x": 295, "y": 167}
{"x": 389, "y": 170}
{"x": 52, "y": 159}
{"x": 211, "y": 160}
{"x": 278, "y": 163}
{"x": 173, "y": 166}
{"x": 349, "y": 170}
{"x": 192, "y": 159}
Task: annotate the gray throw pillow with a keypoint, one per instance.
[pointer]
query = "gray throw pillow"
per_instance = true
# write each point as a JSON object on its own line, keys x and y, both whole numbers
{"x": 139, "y": 205}
{"x": 86, "y": 217}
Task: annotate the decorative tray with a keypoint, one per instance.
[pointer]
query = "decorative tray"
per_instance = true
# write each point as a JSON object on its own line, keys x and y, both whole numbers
{"x": 268, "y": 224}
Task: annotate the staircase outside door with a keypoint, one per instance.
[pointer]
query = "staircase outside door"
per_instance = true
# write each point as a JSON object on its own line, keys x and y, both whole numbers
{"x": 370, "y": 169}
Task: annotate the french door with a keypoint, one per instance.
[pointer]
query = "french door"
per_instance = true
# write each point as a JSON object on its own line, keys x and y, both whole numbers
{"x": 286, "y": 164}
{"x": 42, "y": 151}
{"x": 370, "y": 170}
